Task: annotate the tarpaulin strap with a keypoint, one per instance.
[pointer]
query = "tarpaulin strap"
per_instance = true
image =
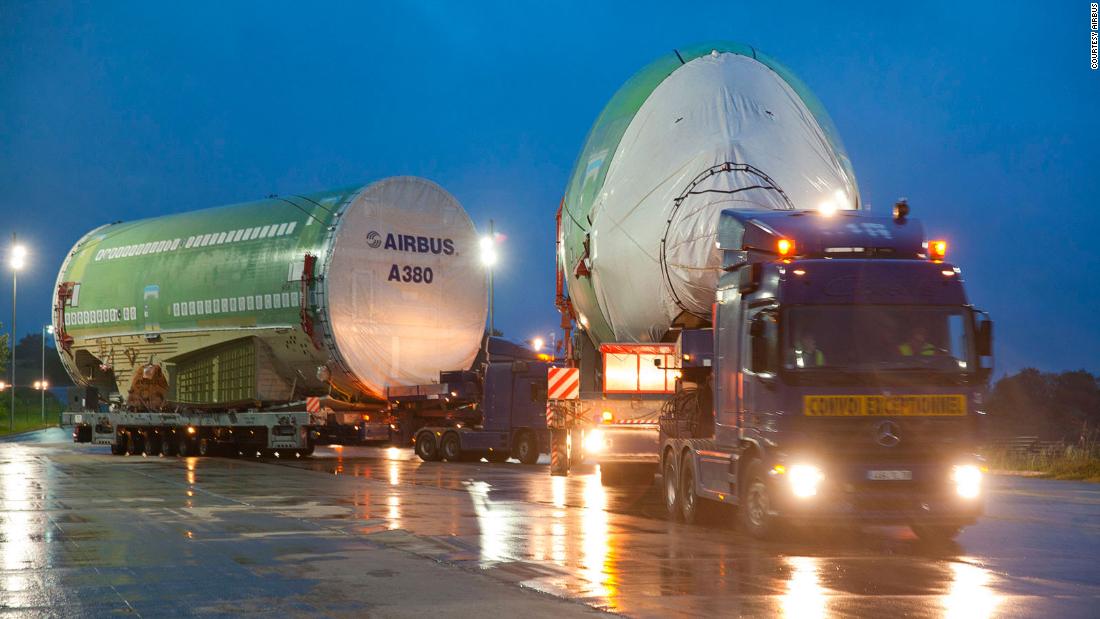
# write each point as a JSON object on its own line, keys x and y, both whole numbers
{"x": 765, "y": 182}
{"x": 64, "y": 295}
{"x": 308, "y": 264}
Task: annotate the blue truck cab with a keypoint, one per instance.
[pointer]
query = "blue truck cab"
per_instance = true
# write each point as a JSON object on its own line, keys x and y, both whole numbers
{"x": 497, "y": 413}
{"x": 842, "y": 379}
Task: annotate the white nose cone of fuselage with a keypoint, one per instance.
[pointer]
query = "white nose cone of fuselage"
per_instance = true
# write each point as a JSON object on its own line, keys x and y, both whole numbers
{"x": 723, "y": 131}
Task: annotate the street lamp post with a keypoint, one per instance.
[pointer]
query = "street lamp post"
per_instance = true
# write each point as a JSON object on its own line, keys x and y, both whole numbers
{"x": 17, "y": 259}
{"x": 46, "y": 330}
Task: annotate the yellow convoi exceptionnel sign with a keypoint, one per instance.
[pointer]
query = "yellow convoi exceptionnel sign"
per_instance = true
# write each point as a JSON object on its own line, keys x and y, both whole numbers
{"x": 884, "y": 405}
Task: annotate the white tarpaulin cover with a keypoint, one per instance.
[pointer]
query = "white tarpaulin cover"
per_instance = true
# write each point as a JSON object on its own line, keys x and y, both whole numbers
{"x": 718, "y": 109}
{"x": 406, "y": 292}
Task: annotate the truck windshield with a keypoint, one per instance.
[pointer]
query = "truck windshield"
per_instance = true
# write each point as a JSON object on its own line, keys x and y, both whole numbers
{"x": 878, "y": 338}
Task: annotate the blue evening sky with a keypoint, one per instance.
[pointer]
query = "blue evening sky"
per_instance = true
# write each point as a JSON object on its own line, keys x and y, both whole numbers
{"x": 985, "y": 115}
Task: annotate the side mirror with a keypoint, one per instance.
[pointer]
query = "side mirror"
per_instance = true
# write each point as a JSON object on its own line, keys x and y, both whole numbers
{"x": 761, "y": 343}
{"x": 984, "y": 340}
{"x": 756, "y": 329}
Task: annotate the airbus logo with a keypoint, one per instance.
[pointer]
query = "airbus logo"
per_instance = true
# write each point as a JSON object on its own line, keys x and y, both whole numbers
{"x": 887, "y": 434}
{"x": 411, "y": 243}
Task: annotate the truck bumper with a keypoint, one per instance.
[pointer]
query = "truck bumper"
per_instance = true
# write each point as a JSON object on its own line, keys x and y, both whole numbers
{"x": 622, "y": 443}
{"x": 846, "y": 495}
{"x": 892, "y": 508}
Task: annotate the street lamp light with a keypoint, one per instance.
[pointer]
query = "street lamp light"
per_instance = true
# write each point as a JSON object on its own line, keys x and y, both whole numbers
{"x": 489, "y": 259}
{"x": 17, "y": 260}
{"x": 537, "y": 344}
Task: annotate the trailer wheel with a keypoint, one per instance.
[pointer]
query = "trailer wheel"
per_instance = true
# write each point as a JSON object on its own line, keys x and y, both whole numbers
{"x": 671, "y": 478}
{"x": 168, "y": 444}
{"x": 756, "y": 504}
{"x": 150, "y": 443}
{"x": 133, "y": 443}
{"x": 185, "y": 447}
{"x": 426, "y": 447}
{"x": 206, "y": 447}
{"x": 119, "y": 446}
{"x": 527, "y": 448}
{"x": 451, "y": 447}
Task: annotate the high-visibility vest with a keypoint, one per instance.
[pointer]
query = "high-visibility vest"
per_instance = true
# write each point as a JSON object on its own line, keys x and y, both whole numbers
{"x": 906, "y": 350}
{"x": 802, "y": 357}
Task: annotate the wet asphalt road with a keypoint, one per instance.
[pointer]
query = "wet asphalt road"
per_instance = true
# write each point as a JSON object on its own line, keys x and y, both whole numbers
{"x": 375, "y": 532}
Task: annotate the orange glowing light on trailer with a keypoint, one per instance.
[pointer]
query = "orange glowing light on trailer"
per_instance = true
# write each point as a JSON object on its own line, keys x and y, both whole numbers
{"x": 785, "y": 247}
{"x": 937, "y": 250}
{"x": 607, "y": 417}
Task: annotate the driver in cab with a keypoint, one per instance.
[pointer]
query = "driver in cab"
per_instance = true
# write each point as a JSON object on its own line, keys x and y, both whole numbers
{"x": 807, "y": 354}
{"x": 917, "y": 345}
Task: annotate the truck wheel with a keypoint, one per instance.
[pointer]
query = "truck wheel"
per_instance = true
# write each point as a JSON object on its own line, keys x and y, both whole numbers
{"x": 527, "y": 448}
{"x": 451, "y": 447}
{"x": 673, "y": 501}
{"x": 119, "y": 446}
{"x": 936, "y": 534}
{"x": 184, "y": 445}
{"x": 691, "y": 504}
{"x": 308, "y": 451}
{"x": 756, "y": 504}
{"x": 206, "y": 447}
{"x": 497, "y": 456}
{"x": 426, "y": 447}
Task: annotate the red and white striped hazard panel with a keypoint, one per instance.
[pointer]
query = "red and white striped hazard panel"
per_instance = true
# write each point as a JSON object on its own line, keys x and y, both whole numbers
{"x": 313, "y": 405}
{"x": 563, "y": 384}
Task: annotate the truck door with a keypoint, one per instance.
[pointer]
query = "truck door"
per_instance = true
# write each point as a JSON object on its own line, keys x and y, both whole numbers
{"x": 151, "y": 311}
{"x": 727, "y": 371}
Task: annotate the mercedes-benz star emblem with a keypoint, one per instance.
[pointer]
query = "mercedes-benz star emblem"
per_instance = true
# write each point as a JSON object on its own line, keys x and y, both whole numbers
{"x": 886, "y": 434}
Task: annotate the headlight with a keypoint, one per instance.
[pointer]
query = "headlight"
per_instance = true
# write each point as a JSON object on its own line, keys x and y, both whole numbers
{"x": 968, "y": 480}
{"x": 804, "y": 479}
{"x": 593, "y": 441}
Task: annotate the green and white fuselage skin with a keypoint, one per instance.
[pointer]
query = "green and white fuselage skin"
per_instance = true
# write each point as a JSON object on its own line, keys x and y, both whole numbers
{"x": 395, "y": 295}
{"x": 717, "y": 126}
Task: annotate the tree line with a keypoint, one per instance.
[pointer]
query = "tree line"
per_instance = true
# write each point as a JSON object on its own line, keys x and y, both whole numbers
{"x": 1062, "y": 406}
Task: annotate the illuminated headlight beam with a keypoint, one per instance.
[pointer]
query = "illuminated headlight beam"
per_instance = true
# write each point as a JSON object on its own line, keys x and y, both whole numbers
{"x": 593, "y": 441}
{"x": 968, "y": 480}
{"x": 804, "y": 479}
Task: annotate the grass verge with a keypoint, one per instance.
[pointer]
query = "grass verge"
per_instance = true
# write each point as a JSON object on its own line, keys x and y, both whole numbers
{"x": 1070, "y": 462}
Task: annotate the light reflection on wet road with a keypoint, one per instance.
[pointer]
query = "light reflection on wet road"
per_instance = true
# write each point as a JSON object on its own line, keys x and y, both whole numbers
{"x": 80, "y": 525}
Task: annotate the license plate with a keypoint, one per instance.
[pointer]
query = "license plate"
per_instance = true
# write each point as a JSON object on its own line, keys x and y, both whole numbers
{"x": 890, "y": 475}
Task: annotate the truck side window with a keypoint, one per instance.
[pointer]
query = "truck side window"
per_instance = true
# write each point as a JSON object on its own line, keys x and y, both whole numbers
{"x": 764, "y": 340}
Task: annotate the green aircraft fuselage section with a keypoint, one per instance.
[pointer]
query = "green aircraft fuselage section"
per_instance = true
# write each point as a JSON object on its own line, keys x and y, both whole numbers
{"x": 168, "y": 286}
{"x": 587, "y": 180}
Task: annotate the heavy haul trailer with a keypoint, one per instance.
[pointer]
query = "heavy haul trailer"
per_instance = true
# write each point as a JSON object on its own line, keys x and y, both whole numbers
{"x": 497, "y": 412}
{"x": 282, "y": 434}
{"x": 263, "y": 306}
{"x": 846, "y": 381}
